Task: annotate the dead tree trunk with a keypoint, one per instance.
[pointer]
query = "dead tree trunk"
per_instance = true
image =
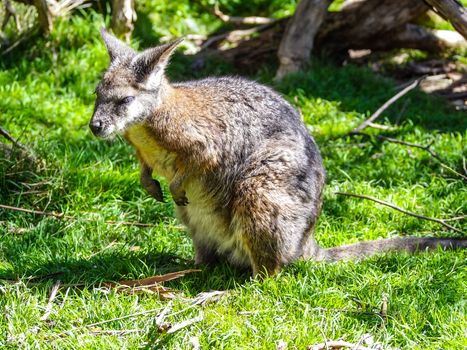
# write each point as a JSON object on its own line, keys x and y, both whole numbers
{"x": 123, "y": 17}
{"x": 44, "y": 15}
{"x": 452, "y": 11}
{"x": 362, "y": 24}
{"x": 297, "y": 41}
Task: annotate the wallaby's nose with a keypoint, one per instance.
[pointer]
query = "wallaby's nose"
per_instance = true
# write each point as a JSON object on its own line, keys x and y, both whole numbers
{"x": 96, "y": 127}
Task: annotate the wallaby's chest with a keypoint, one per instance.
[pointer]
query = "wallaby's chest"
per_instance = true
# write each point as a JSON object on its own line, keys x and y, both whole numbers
{"x": 152, "y": 153}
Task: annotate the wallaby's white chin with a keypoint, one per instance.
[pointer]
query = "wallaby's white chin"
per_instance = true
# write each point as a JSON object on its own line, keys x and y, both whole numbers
{"x": 109, "y": 132}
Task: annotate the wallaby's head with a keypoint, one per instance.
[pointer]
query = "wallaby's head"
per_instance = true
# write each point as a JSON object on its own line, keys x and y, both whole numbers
{"x": 131, "y": 87}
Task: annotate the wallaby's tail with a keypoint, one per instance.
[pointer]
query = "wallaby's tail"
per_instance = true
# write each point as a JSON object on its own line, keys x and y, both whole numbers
{"x": 408, "y": 244}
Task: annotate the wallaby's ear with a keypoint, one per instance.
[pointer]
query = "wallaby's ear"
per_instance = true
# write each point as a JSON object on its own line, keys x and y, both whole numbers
{"x": 149, "y": 65}
{"x": 115, "y": 47}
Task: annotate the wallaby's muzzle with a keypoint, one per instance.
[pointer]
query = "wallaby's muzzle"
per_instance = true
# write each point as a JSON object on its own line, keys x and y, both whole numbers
{"x": 96, "y": 127}
{"x": 101, "y": 125}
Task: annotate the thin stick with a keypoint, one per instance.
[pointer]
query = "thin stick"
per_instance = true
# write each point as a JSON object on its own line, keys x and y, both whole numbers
{"x": 53, "y": 294}
{"x": 69, "y": 217}
{"x": 385, "y": 106}
{"x": 26, "y": 36}
{"x": 426, "y": 148}
{"x": 401, "y": 112}
{"x": 10, "y": 138}
{"x": 462, "y": 217}
{"x": 121, "y": 318}
{"x": 242, "y": 20}
{"x": 390, "y": 205}
{"x": 453, "y": 171}
{"x": 380, "y": 126}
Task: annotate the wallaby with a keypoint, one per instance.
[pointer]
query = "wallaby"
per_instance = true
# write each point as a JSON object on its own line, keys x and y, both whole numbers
{"x": 244, "y": 171}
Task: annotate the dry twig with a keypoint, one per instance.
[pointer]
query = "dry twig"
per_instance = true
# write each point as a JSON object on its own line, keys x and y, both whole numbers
{"x": 390, "y": 205}
{"x": 115, "y": 331}
{"x": 385, "y": 106}
{"x": 118, "y": 318}
{"x": 241, "y": 20}
{"x": 426, "y": 148}
{"x": 69, "y": 217}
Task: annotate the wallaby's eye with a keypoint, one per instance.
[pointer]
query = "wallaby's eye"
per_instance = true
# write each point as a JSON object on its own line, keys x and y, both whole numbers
{"x": 127, "y": 99}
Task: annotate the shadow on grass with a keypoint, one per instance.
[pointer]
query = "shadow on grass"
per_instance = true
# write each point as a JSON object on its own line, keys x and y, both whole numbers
{"x": 359, "y": 89}
{"x": 117, "y": 266}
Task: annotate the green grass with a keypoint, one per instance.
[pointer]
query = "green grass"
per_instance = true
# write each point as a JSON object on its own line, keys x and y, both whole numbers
{"x": 46, "y": 100}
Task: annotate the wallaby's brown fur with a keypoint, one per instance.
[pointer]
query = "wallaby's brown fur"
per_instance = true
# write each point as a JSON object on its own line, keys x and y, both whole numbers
{"x": 245, "y": 173}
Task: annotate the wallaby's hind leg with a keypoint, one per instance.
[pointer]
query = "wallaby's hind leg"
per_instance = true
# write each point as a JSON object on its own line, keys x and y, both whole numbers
{"x": 272, "y": 220}
{"x": 204, "y": 255}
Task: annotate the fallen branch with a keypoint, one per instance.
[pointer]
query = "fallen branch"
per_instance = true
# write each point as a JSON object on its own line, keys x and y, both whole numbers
{"x": 233, "y": 36}
{"x": 24, "y": 37}
{"x": 69, "y": 217}
{"x": 241, "y": 20}
{"x": 390, "y": 205}
{"x": 385, "y": 106}
{"x": 337, "y": 344}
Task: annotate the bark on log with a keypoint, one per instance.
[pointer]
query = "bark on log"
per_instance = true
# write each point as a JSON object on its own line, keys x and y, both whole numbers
{"x": 123, "y": 17}
{"x": 452, "y": 11}
{"x": 297, "y": 41}
{"x": 44, "y": 15}
{"x": 411, "y": 36}
{"x": 365, "y": 21}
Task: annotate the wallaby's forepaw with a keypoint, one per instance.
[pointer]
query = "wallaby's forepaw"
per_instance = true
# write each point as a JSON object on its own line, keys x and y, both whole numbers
{"x": 155, "y": 190}
{"x": 180, "y": 199}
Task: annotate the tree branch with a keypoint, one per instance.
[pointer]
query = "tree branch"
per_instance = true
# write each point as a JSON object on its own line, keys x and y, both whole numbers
{"x": 390, "y": 205}
{"x": 385, "y": 106}
{"x": 452, "y": 11}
